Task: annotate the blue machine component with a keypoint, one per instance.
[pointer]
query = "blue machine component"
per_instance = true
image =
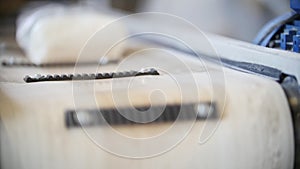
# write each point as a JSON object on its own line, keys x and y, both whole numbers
{"x": 296, "y": 45}
{"x": 290, "y": 37}
{"x": 295, "y": 5}
{"x": 282, "y": 32}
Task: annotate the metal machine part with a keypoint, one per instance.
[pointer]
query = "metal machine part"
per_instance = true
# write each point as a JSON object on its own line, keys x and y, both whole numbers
{"x": 292, "y": 90}
{"x": 170, "y": 113}
{"x": 247, "y": 67}
{"x": 257, "y": 69}
{"x": 92, "y": 76}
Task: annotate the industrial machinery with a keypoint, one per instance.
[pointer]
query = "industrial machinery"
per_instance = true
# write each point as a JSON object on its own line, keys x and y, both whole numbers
{"x": 148, "y": 96}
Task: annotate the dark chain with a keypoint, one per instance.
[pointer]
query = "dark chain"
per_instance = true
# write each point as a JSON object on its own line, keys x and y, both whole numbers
{"x": 92, "y": 76}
